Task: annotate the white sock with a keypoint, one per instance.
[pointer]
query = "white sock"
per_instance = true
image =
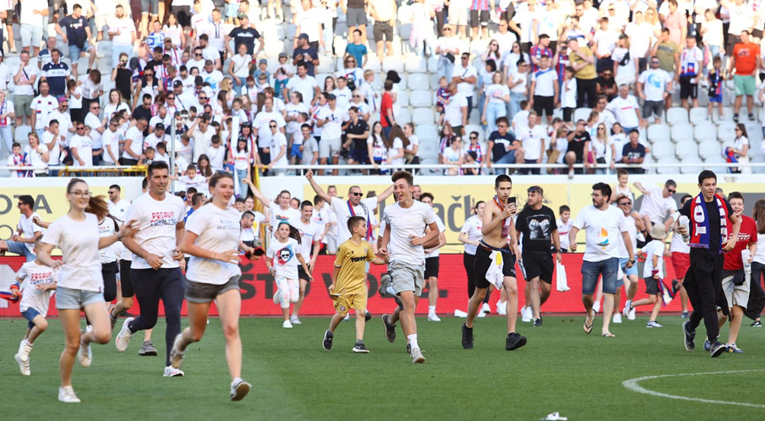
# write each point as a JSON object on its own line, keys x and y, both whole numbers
{"x": 391, "y": 291}
{"x": 237, "y": 380}
{"x": 413, "y": 341}
{"x": 432, "y": 309}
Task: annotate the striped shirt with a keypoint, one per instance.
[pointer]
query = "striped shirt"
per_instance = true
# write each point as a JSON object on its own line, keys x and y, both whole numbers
{"x": 539, "y": 52}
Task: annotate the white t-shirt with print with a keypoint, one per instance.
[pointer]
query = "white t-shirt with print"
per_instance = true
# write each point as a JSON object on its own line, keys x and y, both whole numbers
{"x": 218, "y": 231}
{"x": 157, "y": 221}
{"x": 603, "y": 229}
{"x": 33, "y": 277}
{"x": 284, "y": 255}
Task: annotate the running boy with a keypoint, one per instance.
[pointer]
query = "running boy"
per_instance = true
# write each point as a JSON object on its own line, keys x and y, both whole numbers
{"x": 653, "y": 252}
{"x": 41, "y": 281}
{"x": 348, "y": 288}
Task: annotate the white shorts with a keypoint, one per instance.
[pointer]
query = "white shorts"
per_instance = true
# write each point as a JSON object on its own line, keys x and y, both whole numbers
{"x": 458, "y": 16}
{"x": 737, "y": 295}
{"x": 329, "y": 148}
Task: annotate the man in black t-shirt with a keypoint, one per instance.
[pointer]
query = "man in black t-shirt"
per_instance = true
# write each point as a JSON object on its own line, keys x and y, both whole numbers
{"x": 703, "y": 282}
{"x": 304, "y": 53}
{"x": 634, "y": 153}
{"x": 144, "y": 111}
{"x": 537, "y": 224}
{"x": 244, "y": 35}
{"x": 578, "y": 142}
{"x": 356, "y": 132}
{"x": 502, "y": 144}
{"x": 77, "y": 35}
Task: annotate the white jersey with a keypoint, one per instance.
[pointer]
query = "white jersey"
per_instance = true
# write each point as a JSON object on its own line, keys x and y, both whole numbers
{"x": 472, "y": 229}
{"x": 677, "y": 245}
{"x": 344, "y": 211}
{"x": 278, "y": 215}
{"x": 654, "y": 248}
{"x": 405, "y": 223}
{"x": 309, "y": 233}
{"x": 157, "y": 221}
{"x": 218, "y": 231}
{"x": 563, "y": 230}
{"x": 284, "y": 255}
{"x": 106, "y": 228}
{"x": 33, "y": 277}
{"x": 28, "y": 228}
{"x": 78, "y": 242}
{"x": 603, "y": 227}
{"x": 441, "y": 228}
{"x": 655, "y": 205}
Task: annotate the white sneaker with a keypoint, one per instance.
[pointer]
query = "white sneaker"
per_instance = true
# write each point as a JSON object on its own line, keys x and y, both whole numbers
{"x": 417, "y": 357}
{"x": 485, "y": 308}
{"x": 461, "y": 314}
{"x": 596, "y": 307}
{"x": 66, "y": 394}
{"x": 432, "y": 317}
{"x": 24, "y": 349}
{"x": 176, "y": 356}
{"x": 631, "y": 316}
{"x": 23, "y": 365}
{"x": 527, "y": 315}
{"x": 173, "y": 372}
{"x": 347, "y": 317}
{"x": 617, "y": 318}
{"x": 481, "y": 315}
{"x": 287, "y": 324}
{"x": 295, "y": 321}
{"x": 277, "y": 297}
{"x": 85, "y": 355}
{"x": 239, "y": 390}
{"x": 501, "y": 308}
{"x": 650, "y": 325}
{"x": 123, "y": 338}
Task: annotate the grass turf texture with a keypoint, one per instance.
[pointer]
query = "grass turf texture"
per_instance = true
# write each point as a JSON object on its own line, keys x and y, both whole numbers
{"x": 561, "y": 369}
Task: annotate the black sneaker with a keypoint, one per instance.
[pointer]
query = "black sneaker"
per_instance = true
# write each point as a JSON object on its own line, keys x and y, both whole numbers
{"x": 367, "y": 316}
{"x": 514, "y": 341}
{"x": 718, "y": 349}
{"x": 360, "y": 348}
{"x": 675, "y": 286}
{"x": 538, "y": 322}
{"x": 751, "y": 117}
{"x": 689, "y": 338}
{"x": 390, "y": 330}
{"x": 467, "y": 337}
{"x": 756, "y": 324}
{"x": 735, "y": 118}
{"x": 327, "y": 343}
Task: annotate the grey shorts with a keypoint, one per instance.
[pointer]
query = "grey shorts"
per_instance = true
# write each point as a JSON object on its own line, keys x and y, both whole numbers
{"x": 653, "y": 108}
{"x": 736, "y": 295}
{"x": 407, "y": 277}
{"x": 199, "y": 293}
{"x": 355, "y": 17}
{"x": 22, "y": 104}
{"x": 329, "y": 148}
{"x": 75, "y": 299}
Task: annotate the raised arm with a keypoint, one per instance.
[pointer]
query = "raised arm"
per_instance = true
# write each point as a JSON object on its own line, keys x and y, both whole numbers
{"x": 320, "y": 192}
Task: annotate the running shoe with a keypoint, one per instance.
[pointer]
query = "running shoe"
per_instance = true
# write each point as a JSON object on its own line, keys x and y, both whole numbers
{"x": 652, "y": 324}
{"x": 367, "y": 316}
{"x": 390, "y": 330}
{"x": 66, "y": 394}
{"x": 23, "y": 365}
{"x": 176, "y": 356}
{"x": 432, "y": 317}
{"x": 277, "y": 297}
{"x": 24, "y": 349}
{"x": 707, "y": 345}
{"x": 485, "y": 308}
{"x": 689, "y": 338}
{"x": 480, "y": 315}
{"x": 85, "y": 355}
{"x": 123, "y": 338}
{"x": 735, "y": 118}
{"x": 501, "y": 308}
{"x": 385, "y": 281}
{"x": 173, "y": 372}
{"x": 347, "y": 318}
{"x": 627, "y": 309}
{"x": 751, "y": 117}
{"x": 617, "y": 318}
{"x": 527, "y": 315}
{"x": 718, "y": 349}
{"x": 295, "y": 321}
{"x": 538, "y": 322}
{"x": 417, "y": 357}
{"x": 287, "y": 324}
{"x": 239, "y": 389}
{"x": 467, "y": 337}
{"x": 327, "y": 342}
{"x": 685, "y": 315}
{"x": 756, "y": 324}
{"x": 147, "y": 349}
{"x": 733, "y": 349}
{"x": 460, "y": 314}
{"x": 675, "y": 286}
{"x": 514, "y": 341}
{"x": 360, "y": 348}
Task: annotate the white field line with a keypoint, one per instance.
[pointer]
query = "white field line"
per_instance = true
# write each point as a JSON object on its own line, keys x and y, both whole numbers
{"x": 633, "y": 385}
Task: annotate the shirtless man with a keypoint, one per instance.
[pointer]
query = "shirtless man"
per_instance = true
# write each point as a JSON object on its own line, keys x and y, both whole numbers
{"x": 495, "y": 247}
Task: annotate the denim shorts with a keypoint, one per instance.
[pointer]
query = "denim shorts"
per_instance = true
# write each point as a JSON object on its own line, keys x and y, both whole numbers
{"x": 20, "y": 249}
{"x": 30, "y": 315}
{"x": 623, "y": 264}
{"x": 150, "y": 6}
{"x": 75, "y": 299}
{"x": 201, "y": 293}
{"x": 75, "y": 51}
{"x": 609, "y": 268}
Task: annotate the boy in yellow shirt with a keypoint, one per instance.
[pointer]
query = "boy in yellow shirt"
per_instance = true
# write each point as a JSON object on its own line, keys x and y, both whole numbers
{"x": 349, "y": 286}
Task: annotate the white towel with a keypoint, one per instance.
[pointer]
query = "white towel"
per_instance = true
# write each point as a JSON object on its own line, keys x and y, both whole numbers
{"x": 560, "y": 277}
{"x": 495, "y": 275}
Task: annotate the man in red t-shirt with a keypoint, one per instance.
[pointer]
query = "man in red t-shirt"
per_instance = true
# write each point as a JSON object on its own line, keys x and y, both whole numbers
{"x": 386, "y": 109}
{"x": 746, "y": 60}
{"x": 733, "y": 271}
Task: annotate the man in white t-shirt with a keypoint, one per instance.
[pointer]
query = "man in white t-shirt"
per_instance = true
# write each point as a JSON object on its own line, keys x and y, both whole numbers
{"x": 653, "y": 86}
{"x": 465, "y": 76}
{"x": 157, "y": 261}
{"x": 279, "y": 211}
{"x": 604, "y": 225}
{"x": 532, "y": 139}
{"x": 32, "y": 20}
{"x": 330, "y": 119}
{"x": 658, "y": 204}
{"x": 634, "y": 226}
{"x": 626, "y": 109}
{"x": 641, "y": 38}
{"x": 304, "y": 84}
{"x": 277, "y": 149}
{"x": 432, "y": 262}
{"x": 456, "y": 111}
{"x": 81, "y": 147}
{"x": 403, "y": 243}
{"x": 544, "y": 89}
{"x": 123, "y": 35}
{"x": 23, "y": 238}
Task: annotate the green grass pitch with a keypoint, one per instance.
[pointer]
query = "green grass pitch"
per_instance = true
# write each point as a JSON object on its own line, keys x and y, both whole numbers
{"x": 560, "y": 370}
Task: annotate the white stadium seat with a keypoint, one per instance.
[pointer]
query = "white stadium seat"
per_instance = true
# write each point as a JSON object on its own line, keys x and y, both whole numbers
{"x": 687, "y": 167}
{"x": 726, "y": 131}
{"x": 423, "y": 116}
{"x": 709, "y": 149}
{"x": 403, "y": 116}
{"x": 418, "y": 81}
{"x": 416, "y": 65}
{"x": 671, "y": 161}
{"x": 373, "y": 63}
{"x": 425, "y": 132}
{"x": 682, "y": 132}
{"x": 403, "y": 98}
{"x": 677, "y": 115}
{"x": 705, "y": 131}
{"x": 662, "y": 150}
{"x": 686, "y": 149}
{"x": 658, "y": 133}
{"x": 582, "y": 114}
{"x": 432, "y": 64}
{"x": 698, "y": 115}
{"x": 718, "y": 160}
{"x": 326, "y": 65}
{"x": 727, "y": 113}
{"x": 393, "y": 63}
{"x": 420, "y": 98}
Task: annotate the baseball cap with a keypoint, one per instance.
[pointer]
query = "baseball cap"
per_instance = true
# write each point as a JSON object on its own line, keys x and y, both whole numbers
{"x": 62, "y": 99}
{"x": 159, "y": 126}
{"x": 331, "y": 97}
{"x": 283, "y": 55}
{"x": 263, "y": 61}
{"x": 177, "y": 84}
{"x": 303, "y": 36}
{"x": 243, "y": 16}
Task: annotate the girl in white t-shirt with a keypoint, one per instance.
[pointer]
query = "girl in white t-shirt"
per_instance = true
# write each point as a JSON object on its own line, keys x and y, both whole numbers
{"x": 243, "y": 158}
{"x": 80, "y": 283}
{"x": 212, "y": 241}
{"x": 282, "y": 260}
{"x": 739, "y": 149}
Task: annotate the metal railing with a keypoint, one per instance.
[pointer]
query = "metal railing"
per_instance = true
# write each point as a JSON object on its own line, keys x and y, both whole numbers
{"x": 68, "y": 171}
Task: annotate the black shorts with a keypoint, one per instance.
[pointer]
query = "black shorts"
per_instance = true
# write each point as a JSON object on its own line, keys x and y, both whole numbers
{"x": 756, "y": 33}
{"x": 479, "y": 17}
{"x": 382, "y": 29}
{"x": 568, "y": 113}
{"x": 651, "y": 286}
{"x": 688, "y": 89}
{"x": 432, "y": 265}
{"x": 302, "y": 274}
{"x": 538, "y": 263}
{"x": 109, "y": 273}
{"x": 544, "y": 103}
{"x": 126, "y": 279}
{"x": 483, "y": 261}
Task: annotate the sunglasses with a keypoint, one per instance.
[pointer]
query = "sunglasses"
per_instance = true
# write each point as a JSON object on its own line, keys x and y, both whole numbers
{"x": 357, "y": 194}
{"x": 197, "y": 55}
{"x": 672, "y": 191}
{"x": 95, "y": 108}
{"x": 203, "y": 98}
{"x": 625, "y": 203}
{"x": 171, "y": 97}
{"x": 356, "y": 96}
{"x": 272, "y": 126}
{"x": 473, "y": 137}
{"x": 148, "y": 74}
{"x": 80, "y": 128}
{"x": 112, "y": 192}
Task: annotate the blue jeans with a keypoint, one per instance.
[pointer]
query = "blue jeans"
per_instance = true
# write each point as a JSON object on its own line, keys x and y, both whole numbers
{"x": 445, "y": 68}
{"x": 6, "y": 133}
{"x": 514, "y": 106}
{"x": 243, "y": 187}
{"x": 21, "y": 249}
{"x": 238, "y": 86}
{"x": 494, "y": 110}
{"x": 609, "y": 268}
